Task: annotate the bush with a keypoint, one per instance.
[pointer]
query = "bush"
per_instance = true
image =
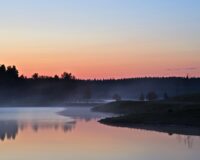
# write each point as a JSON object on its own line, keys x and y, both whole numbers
{"x": 142, "y": 98}
{"x": 152, "y": 96}
{"x": 117, "y": 97}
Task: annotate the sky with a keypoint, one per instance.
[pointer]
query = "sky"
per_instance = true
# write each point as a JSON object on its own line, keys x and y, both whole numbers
{"x": 101, "y": 38}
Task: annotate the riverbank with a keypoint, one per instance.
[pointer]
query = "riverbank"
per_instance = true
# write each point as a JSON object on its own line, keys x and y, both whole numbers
{"x": 162, "y": 116}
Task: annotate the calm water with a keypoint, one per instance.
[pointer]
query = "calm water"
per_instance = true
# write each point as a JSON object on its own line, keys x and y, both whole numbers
{"x": 40, "y": 133}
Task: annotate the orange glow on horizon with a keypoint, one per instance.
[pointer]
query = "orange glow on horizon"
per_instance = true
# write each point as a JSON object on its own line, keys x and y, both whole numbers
{"x": 100, "y": 60}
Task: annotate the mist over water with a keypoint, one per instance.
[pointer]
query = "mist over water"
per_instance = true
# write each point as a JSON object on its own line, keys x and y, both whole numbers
{"x": 99, "y": 80}
{"x": 78, "y": 135}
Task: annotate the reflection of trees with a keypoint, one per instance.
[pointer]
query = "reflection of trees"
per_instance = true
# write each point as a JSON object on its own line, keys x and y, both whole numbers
{"x": 9, "y": 129}
{"x": 68, "y": 127}
{"x": 64, "y": 126}
{"x": 187, "y": 140}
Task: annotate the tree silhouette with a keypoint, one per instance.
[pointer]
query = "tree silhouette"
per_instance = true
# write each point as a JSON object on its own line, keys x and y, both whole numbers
{"x": 152, "y": 96}
{"x": 12, "y": 73}
{"x": 56, "y": 77}
{"x": 23, "y": 77}
{"x": 87, "y": 94}
{"x": 2, "y": 71}
{"x": 45, "y": 90}
{"x": 165, "y": 96}
{"x": 142, "y": 98}
{"x": 67, "y": 76}
{"x": 117, "y": 97}
{"x": 35, "y": 76}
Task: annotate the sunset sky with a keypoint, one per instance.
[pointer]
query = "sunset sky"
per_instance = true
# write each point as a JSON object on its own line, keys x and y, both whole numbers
{"x": 101, "y": 38}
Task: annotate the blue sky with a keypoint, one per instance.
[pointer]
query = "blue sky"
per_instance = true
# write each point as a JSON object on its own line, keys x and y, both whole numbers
{"x": 150, "y": 28}
{"x": 101, "y": 12}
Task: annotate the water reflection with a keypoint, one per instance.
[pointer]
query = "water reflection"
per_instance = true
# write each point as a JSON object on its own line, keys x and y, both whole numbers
{"x": 65, "y": 126}
{"x": 186, "y": 140}
{"x": 14, "y": 120}
{"x": 44, "y": 133}
{"x": 83, "y": 113}
{"x": 10, "y": 129}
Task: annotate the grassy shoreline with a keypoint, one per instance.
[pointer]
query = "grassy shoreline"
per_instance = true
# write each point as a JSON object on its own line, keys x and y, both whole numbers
{"x": 162, "y": 116}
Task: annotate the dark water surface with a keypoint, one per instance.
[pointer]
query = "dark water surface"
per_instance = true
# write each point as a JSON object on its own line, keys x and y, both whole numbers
{"x": 42, "y": 133}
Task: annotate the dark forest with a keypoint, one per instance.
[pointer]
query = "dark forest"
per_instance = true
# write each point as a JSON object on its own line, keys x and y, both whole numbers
{"x": 18, "y": 90}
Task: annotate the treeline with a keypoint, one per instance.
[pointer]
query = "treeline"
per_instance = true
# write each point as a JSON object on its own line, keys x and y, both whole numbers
{"x": 11, "y": 73}
{"x": 18, "y": 90}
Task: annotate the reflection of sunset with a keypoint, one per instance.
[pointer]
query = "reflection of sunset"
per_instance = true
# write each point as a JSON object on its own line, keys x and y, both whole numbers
{"x": 99, "y": 140}
{"x": 99, "y": 79}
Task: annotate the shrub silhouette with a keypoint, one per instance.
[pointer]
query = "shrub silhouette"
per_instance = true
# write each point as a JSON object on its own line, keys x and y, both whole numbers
{"x": 166, "y": 97}
{"x": 142, "y": 98}
{"x": 67, "y": 76}
{"x": 87, "y": 95}
{"x": 151, "y": 96}
{"x": 117, "y": 97}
